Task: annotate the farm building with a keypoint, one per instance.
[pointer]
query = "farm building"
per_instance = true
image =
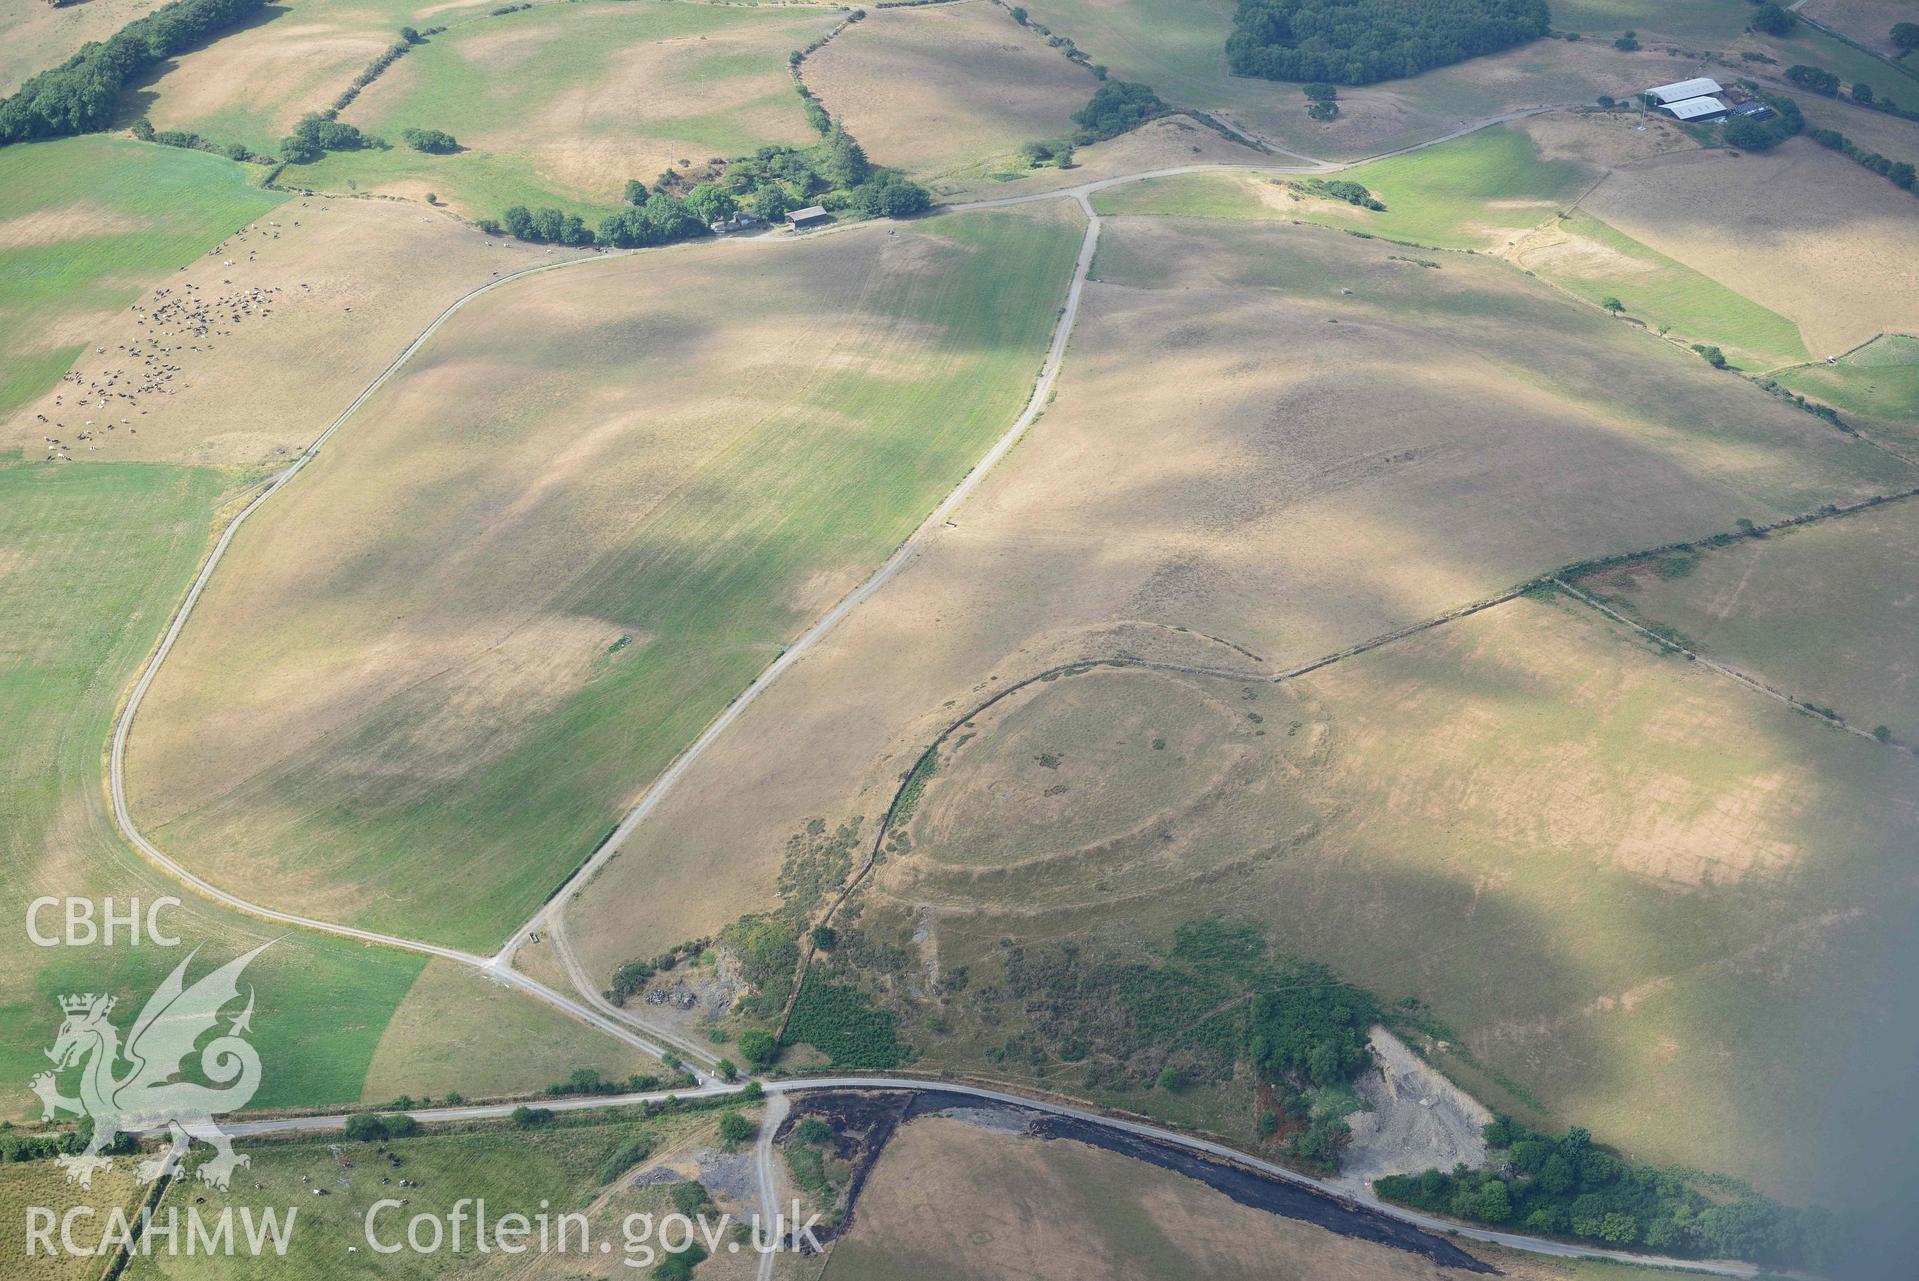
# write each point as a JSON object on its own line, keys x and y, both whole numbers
{"x": 1753, "y": 111}
{"x": 1696, "y": 110}
{"x": 1681, "y": 90}
{"x": 811, "y": 216}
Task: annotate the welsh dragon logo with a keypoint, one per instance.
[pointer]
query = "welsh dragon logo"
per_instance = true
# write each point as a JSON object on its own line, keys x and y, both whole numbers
{"x": 149, "y": 1095}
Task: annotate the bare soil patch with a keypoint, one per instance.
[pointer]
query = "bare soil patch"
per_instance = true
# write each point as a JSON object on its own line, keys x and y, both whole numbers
{"x": 1419, "y": 1120}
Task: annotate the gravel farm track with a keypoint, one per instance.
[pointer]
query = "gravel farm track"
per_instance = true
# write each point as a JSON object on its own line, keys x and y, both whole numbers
{"x": 586, "y": 1005}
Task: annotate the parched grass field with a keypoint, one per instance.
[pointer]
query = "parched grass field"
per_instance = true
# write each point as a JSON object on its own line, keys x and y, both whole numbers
{"x": 1800, "y": 230}
{"x": 1329, "y": 482}
{"x": 1516, "y": 192}
{"x": 561, "y": 104}
{"x": 437, "y": 1042}
{"x": 1523, "y": 819}
{"x": 25, "y": 1184}
{"x": 1825, "y": 613}
{"x": 95, "y": 558}
{"x": 85, "y": 223}
{"x": 1476, "y": 192}
{"x": 34, "y": 37}
{"x": 343, "y": 286}
{"x": 620, "y": 492}
{"x": 948, "y": 92}
{"x": 952, "y": 1201}
{"x": 1641, "y": 897}
{"x": 253, "y": 82}
{"x": 552, "y": 1169}
{"x": 1870, "y": 22}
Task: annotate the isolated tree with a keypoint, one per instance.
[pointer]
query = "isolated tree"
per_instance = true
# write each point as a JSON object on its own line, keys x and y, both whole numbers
{"x": 635, "y": 192}
{"x": 1613, "y": 305}
{"x": 364, "y": 1127}
{"x": 1770, "y": 19}
{"x": 735, "y": 1128}
{"x": 434, "y": 141}
{"x": 758, "y": 1047}
{"x": 1905, "y": 36}
{"x": 1862, "y": 92}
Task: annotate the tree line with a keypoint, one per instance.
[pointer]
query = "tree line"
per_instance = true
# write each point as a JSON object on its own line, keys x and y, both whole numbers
{"x": 1355, "y": 42}
{"x": 1569, "y": 1186}
{"x": 768, "y": 184}
{"x": 82, "y": 94}
{"x": 1899, "y": 173}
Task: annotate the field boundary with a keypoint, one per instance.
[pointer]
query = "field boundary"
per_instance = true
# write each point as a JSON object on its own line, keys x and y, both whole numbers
{"x": 916, "y": 773}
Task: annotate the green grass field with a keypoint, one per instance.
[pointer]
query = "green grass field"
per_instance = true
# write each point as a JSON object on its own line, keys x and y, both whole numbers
{"x": 1694, "y": 20}
{"x": 917, "y": 368}
{"x": 553, "y": 1169}
{"x": 1463, "y": 194}
{"x": 560, "y": 104}
{"x": 85, "y": 225}
{"x": 1879, "y": 380}
{"x": 95, "y": 557}
{"x": 1667, "y": 294}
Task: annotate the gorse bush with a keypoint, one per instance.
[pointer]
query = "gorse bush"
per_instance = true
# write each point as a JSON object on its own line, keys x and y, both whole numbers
{"x": 436, "y": 141}
{"x": 1117, "y": 106}
{"x": 841, "y": 1023}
